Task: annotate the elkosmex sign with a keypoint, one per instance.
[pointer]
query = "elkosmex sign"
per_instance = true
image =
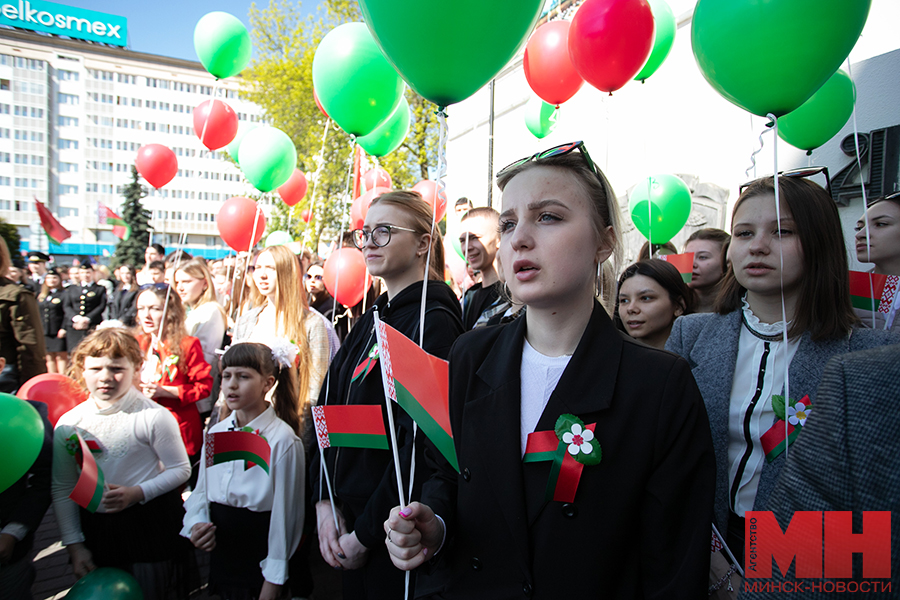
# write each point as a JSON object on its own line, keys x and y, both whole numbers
{"x": 70, "y": 21}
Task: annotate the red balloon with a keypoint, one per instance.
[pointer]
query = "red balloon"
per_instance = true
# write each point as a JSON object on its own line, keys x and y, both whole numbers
{"x": 319, "y": 104}
{"x": 345, "y": 276}
{"x": 610, "y": 40}
{"x": 377, "y": 177}
{"x": 306, "y": 215}
{"x": 294, "y": 189}
{"x": 157, "y": 164}
{"x": 548, "y": 69}
{"x": 241, "y": 223}
{"x": 220, "y": 121}
{"x": 60, "y": 393}
{"x": 360, "y": 207}
{"x": 429, "y": 191}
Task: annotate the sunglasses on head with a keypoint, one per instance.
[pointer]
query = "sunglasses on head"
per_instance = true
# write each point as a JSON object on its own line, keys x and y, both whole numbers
{"x": 153, "y": 286}
{"x": 559, "y": 151}
{"x": 805, "y": 173}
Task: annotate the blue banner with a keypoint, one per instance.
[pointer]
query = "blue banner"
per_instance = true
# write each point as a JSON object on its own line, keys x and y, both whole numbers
{"x": 70, "y": 21}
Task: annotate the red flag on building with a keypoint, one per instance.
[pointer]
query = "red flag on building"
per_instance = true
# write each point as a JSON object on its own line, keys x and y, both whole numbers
{"x": 121, "y": 229}
{"x": 55, "y": 231}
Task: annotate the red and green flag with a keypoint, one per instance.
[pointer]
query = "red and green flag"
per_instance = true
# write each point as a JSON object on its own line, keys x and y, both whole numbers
{"x": 350, "y": 426}
{"x": 89, "y": 489}
{"x": 55, "y": 231}
{"x": 420, "y": 384}
{"x": 866, "y": 290}
{"x": 683, "y": 262}
{"x": 365, "y": 366}
{"x": 789, "y": 420}
{"x": 226, "y": 446}
{"x": 121, "y": 229}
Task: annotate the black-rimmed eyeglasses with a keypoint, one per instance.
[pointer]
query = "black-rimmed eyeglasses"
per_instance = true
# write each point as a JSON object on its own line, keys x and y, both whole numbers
{"x": 381, "y": 235}
{"x": 805, "y": 173}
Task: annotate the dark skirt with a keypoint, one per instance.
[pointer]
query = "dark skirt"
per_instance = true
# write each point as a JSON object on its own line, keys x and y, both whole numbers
{"x": 242, "y": 542}
{"x": 55, "y": 344}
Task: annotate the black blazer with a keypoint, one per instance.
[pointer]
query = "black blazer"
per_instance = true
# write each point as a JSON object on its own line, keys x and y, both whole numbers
{"x": 52, "y": 313}
{"x": 640, "y": 523}
{"x": 123, "y": 306}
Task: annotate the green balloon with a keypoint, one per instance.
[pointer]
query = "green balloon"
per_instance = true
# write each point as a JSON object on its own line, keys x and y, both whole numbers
{"x": 222, "y": 44}
{"x": 540, "y": 117}
{"x": 356, "y": 85}
{"x": 244, "y": 127}
{"x": 106, "y": 583}
{"x": 454, "y": 226}
{"x": 268, "y": 157}
{"x": 670, "y": 200}
{"x": 820, "y": 117}
{"x": 278, "y": 238}
{"x": 388, "y": 137}
{"x": 446, "y": 50}
{"x": 663, "y": 37}
{"x": 770, "y": 56}
{"x": 21, "y": 437}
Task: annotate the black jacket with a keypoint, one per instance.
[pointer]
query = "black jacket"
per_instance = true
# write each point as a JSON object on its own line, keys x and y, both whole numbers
{"x": 123, "y": 306}
{"x": 86, "y": 302}
{"x": 639, "y": 526}
{"x": 52, "y": 314}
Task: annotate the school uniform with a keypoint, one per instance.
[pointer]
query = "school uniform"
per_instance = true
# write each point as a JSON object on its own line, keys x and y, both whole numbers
{"x": 639, "y": 523}
{"x": 258, "y": 515}
{"x": 364, "y": 480}
{"x": 82, "y": 301}
{"x": 53, "y": 319}
{"x": 123, "y": 306}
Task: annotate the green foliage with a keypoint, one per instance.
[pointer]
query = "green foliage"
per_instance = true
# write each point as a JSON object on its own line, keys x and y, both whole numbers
{"x": 279, "y": 79}
{"x": 131, "y": 251}
{"x": 11, "y": 236}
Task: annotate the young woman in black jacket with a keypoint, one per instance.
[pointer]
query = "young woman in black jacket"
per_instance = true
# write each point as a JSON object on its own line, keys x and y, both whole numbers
{"x": 395, "y": 242}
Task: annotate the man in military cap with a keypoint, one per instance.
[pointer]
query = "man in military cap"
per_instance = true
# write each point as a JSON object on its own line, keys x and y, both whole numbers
{"x": 37, "y": 266}
{"x": 19, "y": 273}
{"x": 83, "y": 304}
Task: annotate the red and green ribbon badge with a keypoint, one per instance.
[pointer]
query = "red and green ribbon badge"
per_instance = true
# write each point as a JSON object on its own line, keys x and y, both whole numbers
{"x": 226, "y": 446}
{"x": 169, "y": 366}
{"x": 779, "y": 436}
{"x": 570, "y": 446}
{"x": 365, "y": 367}
{"x": 89, "y": 489}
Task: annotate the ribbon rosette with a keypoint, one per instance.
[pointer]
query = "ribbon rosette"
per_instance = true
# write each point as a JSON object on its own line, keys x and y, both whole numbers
{"x": 781, "y": 435}
{"x": 570, "y": 446}
{"x": 169, "y": 366}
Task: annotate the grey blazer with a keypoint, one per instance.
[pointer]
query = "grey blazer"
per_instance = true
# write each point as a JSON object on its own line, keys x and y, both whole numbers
{"x": 709, "y": 342}
{"x": 851, "y": 438}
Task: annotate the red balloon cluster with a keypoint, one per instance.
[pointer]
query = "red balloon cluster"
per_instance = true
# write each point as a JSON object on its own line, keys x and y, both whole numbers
{"x": 548, "y": 69}
{"x": 345, "y": 276}
{"x": 241, "y": 223}
{"x": 360, "y": 207}
{"x": 377, "y": 177}
{"x": 294, "y": 189}
{"x": 60, "y": 393}
{"x": 215, "y": 123}
{"x": 429, "y": 191}
{"x": 157, "y": 164}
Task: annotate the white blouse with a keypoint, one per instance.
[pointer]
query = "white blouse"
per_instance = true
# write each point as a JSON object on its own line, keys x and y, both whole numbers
{"x": 140, "y": 445}
{"x": 207, "y": 323}
{"x": 758, "y": 375}
{"x": 539, "y": 375}
{"x": 280, "y": 491}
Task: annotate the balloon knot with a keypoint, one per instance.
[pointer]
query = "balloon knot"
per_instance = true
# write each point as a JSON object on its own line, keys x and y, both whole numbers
{"x": 809, "y": 152}
{"x": 441, "y": 111}
{"x": 610, "y": 94}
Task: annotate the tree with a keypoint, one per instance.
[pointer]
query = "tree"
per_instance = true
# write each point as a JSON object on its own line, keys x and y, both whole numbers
{"x": 280, "y": 81}
{"x": 131, "y": 251}
{"x": 11, "y": 236}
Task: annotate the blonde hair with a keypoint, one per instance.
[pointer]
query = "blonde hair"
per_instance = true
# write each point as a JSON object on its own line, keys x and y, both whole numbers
{"x": 197, "y": 268}
{"x": 5, "y": 260}
{"x": 420, "y": 215}
{"x": 112, "y": 342}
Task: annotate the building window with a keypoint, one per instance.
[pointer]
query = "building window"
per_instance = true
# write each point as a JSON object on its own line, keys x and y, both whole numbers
{"x": 68, "y": 121}
{"x": 67, "y": 75}
{"x": 65, "y": 144}
{"x": 67, "y": 167}
{"x": 65, "y": 211}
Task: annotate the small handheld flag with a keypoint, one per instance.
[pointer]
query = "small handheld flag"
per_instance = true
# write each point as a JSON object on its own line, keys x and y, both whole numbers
{"x": 89, "y": 489}
{"x": 866, "y": 290}
{"x": 683, "y": 262}
{"x": 226, "y": 446}
{"x": 353, "y": 426}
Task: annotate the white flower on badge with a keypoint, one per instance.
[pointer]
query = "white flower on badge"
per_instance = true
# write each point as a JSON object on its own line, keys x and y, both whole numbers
{"x": 579, "y": 440}
{"x": 798, "y": 414}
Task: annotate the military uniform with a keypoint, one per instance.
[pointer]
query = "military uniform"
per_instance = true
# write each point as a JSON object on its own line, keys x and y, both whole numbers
{"x": 21, "y": 336}
{"x": 85, "y": 301}
{"x": 53, "y": 319}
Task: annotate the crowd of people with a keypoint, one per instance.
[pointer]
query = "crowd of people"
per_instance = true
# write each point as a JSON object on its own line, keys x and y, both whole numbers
{"x": 655, "y": 395}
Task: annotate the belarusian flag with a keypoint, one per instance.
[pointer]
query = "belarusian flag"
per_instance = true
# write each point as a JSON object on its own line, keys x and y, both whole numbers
{"x": 55, "y": 231}
{"x": 866, "y": 290}
{"x": 420, "y": 383}
{"x": 121, "y": 229}
{"x": 226, "y": 446}
{"x": 683, "y": 262}
{"x": 350, "y": 426}
{"x": 89, "y": 489}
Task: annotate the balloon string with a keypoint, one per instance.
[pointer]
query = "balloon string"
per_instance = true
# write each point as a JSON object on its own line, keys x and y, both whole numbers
{"x": 320, "y": 160}
{"x": 157, "y": 342}
{"x": 340, "y": 240}
{"x": 247, "y": 262}
{"x": 753, "y": 154}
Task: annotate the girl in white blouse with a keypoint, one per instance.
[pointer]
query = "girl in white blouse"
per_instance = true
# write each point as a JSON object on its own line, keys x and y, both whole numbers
{"x": 138, "y": 447}
{"x": 250, "y": 519}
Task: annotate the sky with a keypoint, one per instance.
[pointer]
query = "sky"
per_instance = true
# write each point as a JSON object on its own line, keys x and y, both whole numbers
{"x": 166, "y": 27}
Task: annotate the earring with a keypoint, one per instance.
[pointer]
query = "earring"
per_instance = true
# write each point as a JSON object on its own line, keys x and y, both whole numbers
{"x": 598, "y": 283}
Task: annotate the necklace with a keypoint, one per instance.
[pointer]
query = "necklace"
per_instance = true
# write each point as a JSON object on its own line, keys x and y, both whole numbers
{"x": 764, "y": 337}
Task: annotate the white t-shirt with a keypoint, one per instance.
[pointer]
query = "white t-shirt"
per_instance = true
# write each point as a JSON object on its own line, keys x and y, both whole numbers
{"x": 539, "y": 375}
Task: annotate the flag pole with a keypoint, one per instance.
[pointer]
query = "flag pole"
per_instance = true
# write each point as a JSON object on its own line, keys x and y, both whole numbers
{"x": 385, "y": 374}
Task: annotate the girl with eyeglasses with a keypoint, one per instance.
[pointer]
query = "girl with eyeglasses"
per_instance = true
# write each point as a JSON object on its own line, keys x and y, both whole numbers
{"x": 795, "y": 266}
{"x": 395, "y": 242}
{"x": 878, "y": 242}
{"x": 586, "y": 465}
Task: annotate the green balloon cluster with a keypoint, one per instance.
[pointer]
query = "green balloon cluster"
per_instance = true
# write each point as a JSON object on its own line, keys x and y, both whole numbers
{"x": 540, "y": 117}
{"x": 356, "y": 85}
{"x": 820, "y": 117}
{"x": 663, "y": 37}
{"x": 660, "y": 206}
{"x": 387, "y": 137}
{"x": 21, "y": 436}
{"x": 106, "y": 583}
{"x": 268, "y": 157}
{"x": 222, "y": 44}
{"x": 446, "y": 50}
{"x": 244, "y": 127}
{"x": 770, "y": 56}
